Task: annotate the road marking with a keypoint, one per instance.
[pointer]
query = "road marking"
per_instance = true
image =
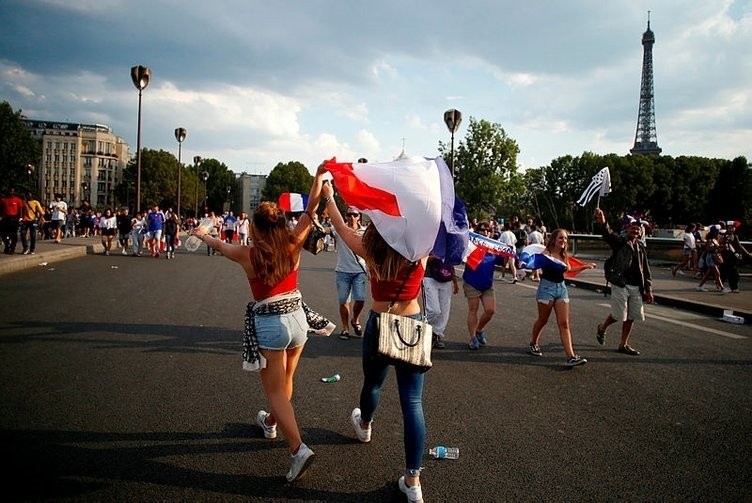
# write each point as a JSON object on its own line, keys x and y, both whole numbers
{"x": 691, "y": 325}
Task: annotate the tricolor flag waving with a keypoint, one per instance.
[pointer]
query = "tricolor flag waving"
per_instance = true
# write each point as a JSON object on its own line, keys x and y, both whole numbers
{"x": 479, "y": 245}
{"x": 292, "y": 202}
{"x": 411, "y": 202}
{"x": 600, "y": 184}
{"x": 532, "y": 257}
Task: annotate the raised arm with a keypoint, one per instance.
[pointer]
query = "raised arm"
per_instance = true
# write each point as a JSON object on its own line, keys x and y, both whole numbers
{"x": 306, "y": 219}
{"x": 350, "y": 236}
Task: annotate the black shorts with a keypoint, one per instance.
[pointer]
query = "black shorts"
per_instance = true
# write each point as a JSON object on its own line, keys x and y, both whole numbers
{"x": 108, "y": 232}
{"x": 57, "y": 224}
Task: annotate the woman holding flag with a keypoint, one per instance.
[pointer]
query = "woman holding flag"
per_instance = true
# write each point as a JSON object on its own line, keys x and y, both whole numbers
{"x": 552, "y": 293}
{"x": 388, "y": 270}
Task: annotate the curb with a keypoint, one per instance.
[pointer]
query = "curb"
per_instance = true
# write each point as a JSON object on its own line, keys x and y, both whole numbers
{"x": 23, "y": 262}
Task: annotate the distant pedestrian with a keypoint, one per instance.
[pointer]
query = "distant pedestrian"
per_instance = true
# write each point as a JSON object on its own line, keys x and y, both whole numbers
{"x": 242, "y": 228}
{"x": 59, "y": 210}
{"x": 33, "y": 218}
{"x": 138, "y": 233}
{"x": 108, "y": 228}
{"x": 171, "y": 226}
{"x": 689, "y": 251}
{"x": 155, "y": 224}
{"x": 630, "y": 278}
{"x": 712, "y": 259}
{"x": 123, "y": 220}
{"x": 11, "y": 212}
{"x": 734, "y": 253}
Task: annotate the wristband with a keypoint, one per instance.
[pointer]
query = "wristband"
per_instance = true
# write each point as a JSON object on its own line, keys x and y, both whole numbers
{"x": 326, "y": 200}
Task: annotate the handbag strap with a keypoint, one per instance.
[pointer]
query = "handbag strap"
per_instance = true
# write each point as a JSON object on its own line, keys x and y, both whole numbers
{"x": 402, "y": 286}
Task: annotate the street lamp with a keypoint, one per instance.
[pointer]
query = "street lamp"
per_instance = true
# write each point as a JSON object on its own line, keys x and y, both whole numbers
{"x": 180, "y": 134}
{"x": 205, "y": 177}
{"x": 84, "y": 187}
{"x": 141, "y": 77}
{"x": 452, "y": 119}
{"x": 197, "y": 161}
{"x": 229, "y": 206}
{"x": 29, "y": 171}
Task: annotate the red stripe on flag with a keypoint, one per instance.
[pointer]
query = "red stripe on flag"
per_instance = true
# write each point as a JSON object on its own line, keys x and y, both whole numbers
{"x": 573, "y": 262}
{"x": 358, "y": 193}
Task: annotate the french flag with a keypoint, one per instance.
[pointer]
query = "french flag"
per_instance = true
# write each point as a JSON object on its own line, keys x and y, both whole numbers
{"x": 532, "y": 257}
{"x": 292, "y": 202}
{"x": 412, "y": 203}
{"x": 479, "y": 245}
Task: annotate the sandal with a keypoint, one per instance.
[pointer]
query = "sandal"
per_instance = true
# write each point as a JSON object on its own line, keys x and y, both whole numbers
{"x": 344, "y": 335}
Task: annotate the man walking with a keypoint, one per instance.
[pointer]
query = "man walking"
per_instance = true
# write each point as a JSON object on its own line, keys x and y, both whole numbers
{"x": 630, "y": 278}
{"x": 33, "y": 215}
{"x": 11, "y": 211}
{"x": 59, "y": 210}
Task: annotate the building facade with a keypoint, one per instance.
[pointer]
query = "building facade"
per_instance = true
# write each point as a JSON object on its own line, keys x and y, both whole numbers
{"x": 249, "y": 189}
{"x": 83, "y": 162}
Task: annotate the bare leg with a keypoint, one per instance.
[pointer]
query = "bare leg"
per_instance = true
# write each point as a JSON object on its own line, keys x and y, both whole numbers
{"x": 544, "y": 311}
{"x": 562, "y": 321}
{"x": 277, "y": 379}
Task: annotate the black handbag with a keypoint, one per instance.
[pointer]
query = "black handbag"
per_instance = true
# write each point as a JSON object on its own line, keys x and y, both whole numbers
{"x": 314, "y": 243}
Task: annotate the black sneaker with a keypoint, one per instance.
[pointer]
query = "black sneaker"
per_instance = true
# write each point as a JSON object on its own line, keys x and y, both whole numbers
{"x": 628, "y": 350}
{"x": 600, "y": 335}
{"x": 357, "y": 329}
{"x": 344, "y": 335}
{"x": 438, "y": 343}
{"x": 576, "y": 360}
{"x": 535, "y": 350}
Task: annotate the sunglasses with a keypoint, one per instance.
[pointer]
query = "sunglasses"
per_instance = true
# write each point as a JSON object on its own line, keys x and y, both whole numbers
{"x": 353, "y": 214}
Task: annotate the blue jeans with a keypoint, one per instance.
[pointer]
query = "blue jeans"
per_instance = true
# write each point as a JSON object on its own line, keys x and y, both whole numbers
{"x": 30, "y": 227}
{"x": 409, "y": 385}
{"x": 347, "y": 282}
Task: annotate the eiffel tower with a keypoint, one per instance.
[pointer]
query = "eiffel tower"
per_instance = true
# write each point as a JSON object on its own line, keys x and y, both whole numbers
{"x": 646, "y": 138}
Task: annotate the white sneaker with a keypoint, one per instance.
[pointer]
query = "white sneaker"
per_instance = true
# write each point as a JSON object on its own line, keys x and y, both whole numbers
{"x": 300, "y": 462}
{"x": 269, "y": 431}
{"x": 413, "y": 493}
{"x": 724, "y": 291}
{"x": 123, "y": 252}
{"x": 363, "y": 435}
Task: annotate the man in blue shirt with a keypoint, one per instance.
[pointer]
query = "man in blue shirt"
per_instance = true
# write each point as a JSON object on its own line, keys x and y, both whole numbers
{"x": 155, "y": 221}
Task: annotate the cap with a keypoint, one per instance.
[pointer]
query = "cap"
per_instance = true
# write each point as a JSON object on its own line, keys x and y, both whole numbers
{"x": 352, "y": 209}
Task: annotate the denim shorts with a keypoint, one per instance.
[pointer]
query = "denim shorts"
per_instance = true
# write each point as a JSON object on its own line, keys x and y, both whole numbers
{"x": 549, "y": 291}
{"x": 281, "y": 331}
{"x": 354, "y": 282}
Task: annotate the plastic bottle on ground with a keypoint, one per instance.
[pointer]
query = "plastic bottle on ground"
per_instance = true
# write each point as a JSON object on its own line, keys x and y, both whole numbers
{"x": 334, "y": 378}
{"x": 441, "y": 452}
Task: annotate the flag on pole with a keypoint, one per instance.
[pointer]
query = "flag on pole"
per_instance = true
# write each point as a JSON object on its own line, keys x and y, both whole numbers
{"x": 600, "y": 184}
{"x": 292, "y": 202}
{"x": 412, "y": 203}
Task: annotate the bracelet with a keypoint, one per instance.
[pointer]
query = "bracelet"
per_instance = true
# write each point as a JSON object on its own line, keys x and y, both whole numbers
{"x": 326, "y": 200}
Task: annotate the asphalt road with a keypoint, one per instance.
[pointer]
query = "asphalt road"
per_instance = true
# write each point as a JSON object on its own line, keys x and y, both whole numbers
{"x": 121, "y": 380}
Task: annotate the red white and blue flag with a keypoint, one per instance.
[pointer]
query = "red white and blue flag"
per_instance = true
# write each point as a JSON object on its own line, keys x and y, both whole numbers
{"x": 412, "y": 203}
{"x": 480, "y": 245}
{"x": 292, "y": 202}
{"x": 532, "y": 257}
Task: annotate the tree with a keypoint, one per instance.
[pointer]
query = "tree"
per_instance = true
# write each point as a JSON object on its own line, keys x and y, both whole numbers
{"x": 18, "y": 149}
{"x": 288, "y": 177}
{"x": 486, "y": 167}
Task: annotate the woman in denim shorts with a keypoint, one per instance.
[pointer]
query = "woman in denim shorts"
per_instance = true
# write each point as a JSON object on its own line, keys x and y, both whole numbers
{"x": 275, "y": 321}
{"x": 552, "y": 295}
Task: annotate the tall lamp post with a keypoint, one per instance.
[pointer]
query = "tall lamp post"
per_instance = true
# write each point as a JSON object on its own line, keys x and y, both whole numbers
{"x": 197, "y": 161}
{"x": 141, "y": 77}
{"x": 180, "y": 134}
{"x": 452, "y": 119}
{"x": 229, "y": 206}
{"x": 205, "y": 177}
{"x": 29, "y": 171}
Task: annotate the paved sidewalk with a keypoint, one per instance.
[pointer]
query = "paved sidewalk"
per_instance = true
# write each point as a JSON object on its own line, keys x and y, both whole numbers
{"x": 672, "y": 291}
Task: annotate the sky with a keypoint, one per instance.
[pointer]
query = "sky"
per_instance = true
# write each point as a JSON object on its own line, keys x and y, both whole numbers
{"x": 256, "y": 83}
